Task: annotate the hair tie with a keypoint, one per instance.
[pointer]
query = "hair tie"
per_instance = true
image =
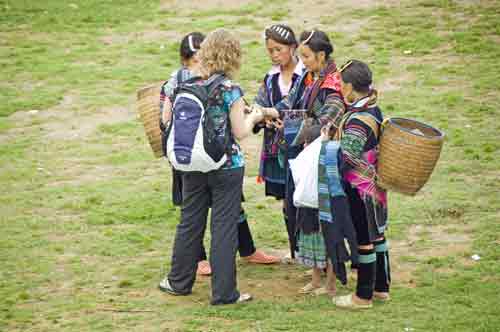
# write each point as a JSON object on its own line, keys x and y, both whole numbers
{"x": 308, "y": 38}
{"x": 344, "y": 66}
{"x": 191, "y": 46}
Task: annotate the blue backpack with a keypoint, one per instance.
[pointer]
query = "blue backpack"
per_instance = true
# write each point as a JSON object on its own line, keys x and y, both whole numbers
{"x": 192, "y": 143}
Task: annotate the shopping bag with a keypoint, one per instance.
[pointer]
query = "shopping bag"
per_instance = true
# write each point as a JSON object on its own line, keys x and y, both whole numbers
{"x": 305, "y": 175}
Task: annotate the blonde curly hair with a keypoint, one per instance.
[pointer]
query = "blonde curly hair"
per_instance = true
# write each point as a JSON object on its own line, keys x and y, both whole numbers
{"x": 220, "y": 52}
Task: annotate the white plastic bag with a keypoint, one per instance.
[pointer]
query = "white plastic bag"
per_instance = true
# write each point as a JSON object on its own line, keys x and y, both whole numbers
{"x": 305, "y": 175}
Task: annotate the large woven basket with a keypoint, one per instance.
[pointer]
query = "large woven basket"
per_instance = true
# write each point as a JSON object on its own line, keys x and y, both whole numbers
{"x": 408, "y": 153}
{"x": 148, "y": 106}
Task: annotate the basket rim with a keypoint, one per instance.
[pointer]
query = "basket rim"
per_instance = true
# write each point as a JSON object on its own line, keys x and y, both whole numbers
{"x": 141, "y": 91}
{"x": 440, "y": 136}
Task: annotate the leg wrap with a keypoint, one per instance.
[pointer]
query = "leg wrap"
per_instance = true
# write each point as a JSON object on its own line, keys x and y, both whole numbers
{"x": 383, "y": 274}
{"x": 366, "y": 273}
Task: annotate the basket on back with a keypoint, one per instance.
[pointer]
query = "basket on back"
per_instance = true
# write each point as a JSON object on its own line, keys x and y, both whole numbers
{"x": 148, "y": 105}
{"x": 408, "y": 153}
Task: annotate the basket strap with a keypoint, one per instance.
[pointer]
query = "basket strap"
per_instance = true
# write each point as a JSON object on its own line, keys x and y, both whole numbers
{"x": 369, "y": 120}
{"x": 366, "y": 118}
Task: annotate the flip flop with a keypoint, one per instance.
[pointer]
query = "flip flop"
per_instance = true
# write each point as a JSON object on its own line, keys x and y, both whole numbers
{"x": 381, "y": 296}
{"x": 346, "y": 302}
{"x": 259, "y": 257}
{"x": 320, "y": 291}
{"x": 323, "y": 291}
{"x": 308, "y": 288}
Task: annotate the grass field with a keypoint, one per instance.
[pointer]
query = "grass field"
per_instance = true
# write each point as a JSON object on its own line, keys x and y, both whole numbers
{"x": 86, "y": 215}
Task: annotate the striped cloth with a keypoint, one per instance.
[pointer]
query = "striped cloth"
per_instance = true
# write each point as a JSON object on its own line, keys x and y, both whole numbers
{"x": 329, "y": 179}
{"x": 334, "y": 214}
{"x": 312, "y": 250}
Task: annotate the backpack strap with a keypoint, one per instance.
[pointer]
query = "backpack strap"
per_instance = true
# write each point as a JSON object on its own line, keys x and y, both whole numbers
{"x": 179, "y": 77}
{"x": 214, "y": 82}
{"x": 213, "y": 85}
{"x": 181, "y": 83}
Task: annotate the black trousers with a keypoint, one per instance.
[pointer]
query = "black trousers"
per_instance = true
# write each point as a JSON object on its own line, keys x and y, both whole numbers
{"x": 222, "y": 190}
{"x": 246, "y": 246}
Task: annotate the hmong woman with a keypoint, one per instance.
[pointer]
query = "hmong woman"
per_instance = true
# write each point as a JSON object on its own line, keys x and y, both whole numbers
{"x": 189, "y": 47}
{"x": 287, "y": 68}
{"x": 317, "y": 94}
{"x": 360, "y": 131}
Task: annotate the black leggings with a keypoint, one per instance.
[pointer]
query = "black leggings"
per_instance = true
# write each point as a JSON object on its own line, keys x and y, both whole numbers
{"x": 358, "y": 215}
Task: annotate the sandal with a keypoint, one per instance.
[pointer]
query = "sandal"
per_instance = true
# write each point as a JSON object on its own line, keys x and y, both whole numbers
{"x": 309, "y": 288}
{"x": 347, "y": 302}
{"x": 288, "y": 260}
{"x": 323, "y": 291}
{"x": 259, "y": 257}
{"x": 204, "y": 268}
{"x": 381, "y": 296}
{"x": 320, "y": 291}
{"x": 308, "y": 273}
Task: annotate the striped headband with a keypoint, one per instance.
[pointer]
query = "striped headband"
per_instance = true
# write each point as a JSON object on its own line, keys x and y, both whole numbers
{"x": 283, "y": 32}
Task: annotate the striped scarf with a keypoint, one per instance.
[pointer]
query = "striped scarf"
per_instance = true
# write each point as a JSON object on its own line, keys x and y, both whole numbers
{"x": 329, "y": 179}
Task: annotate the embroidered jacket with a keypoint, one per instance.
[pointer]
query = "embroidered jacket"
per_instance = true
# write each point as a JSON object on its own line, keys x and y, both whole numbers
{"x": 323, "y": 103}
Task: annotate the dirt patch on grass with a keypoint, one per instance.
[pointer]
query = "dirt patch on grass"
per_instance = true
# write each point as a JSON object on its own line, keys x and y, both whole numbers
{"x": 75, "y": 174}
{"x": 310, "y": 14}
{"x": 156, "y": 35}
{"x": 64, "y": 122}
{"x": 203, "y": 5}
{"x": 396, "y": 82}
{"x": 426, "y": 242}
{"x": 444, "y": 239}
{"x": 284, "y": 283}
{"x": 78, "y": 127}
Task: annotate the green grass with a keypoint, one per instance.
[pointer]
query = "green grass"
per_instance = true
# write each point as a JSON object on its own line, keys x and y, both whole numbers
{"x": 88, "y": 222}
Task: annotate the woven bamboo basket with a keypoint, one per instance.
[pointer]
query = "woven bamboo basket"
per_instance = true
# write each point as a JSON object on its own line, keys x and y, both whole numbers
{"x": 409, "y": 151}
{"x": 148, "y": 106}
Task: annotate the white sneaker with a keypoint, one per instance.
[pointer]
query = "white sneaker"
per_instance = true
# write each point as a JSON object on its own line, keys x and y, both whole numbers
{"x": 244, "y": 297}
{"x": 164, "y": 286}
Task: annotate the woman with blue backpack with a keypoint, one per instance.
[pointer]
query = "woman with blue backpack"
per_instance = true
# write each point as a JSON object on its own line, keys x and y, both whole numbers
{"x": 227, "y": 120}
{"x": 189, "y": 47}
